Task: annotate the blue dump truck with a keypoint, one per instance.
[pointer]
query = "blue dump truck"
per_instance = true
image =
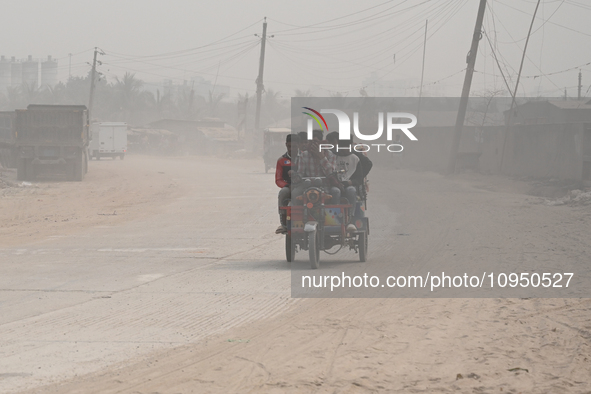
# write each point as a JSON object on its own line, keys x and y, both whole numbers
{"x": 52, "y": 139}
{"x": 8, "y": 150}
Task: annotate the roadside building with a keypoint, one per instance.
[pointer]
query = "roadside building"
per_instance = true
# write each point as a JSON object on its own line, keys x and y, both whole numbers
{"x": 205, "y": 136}
{"x": 549, "y": 139}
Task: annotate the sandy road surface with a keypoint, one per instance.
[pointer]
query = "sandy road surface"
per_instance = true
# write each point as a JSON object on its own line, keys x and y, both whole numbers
{"x": 169, "y": 296}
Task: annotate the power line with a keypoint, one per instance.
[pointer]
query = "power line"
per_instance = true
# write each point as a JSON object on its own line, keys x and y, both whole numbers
{"x": 221, "y": 40}
{"x": 552, "y": 23}
{"x": 557, "y": 72}
{"x": 370, "y": 18}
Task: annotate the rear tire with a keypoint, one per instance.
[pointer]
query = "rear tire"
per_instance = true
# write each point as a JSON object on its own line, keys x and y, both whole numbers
{"x": 314, "y": 249}
{"x": 362, "y": 245}
{"x": 289, "y": 249}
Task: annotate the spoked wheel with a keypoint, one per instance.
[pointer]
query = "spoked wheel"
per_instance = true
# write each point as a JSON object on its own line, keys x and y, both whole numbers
{"x": 289, "y": 249}
{"x": 314, "y": 249}
{"x": 362, "y": 245}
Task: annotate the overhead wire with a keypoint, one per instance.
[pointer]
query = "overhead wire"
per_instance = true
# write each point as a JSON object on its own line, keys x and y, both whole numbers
{"x": 291, "y": 47}
{"x": 552, "y": 23}
{"x": 173, "y": 53}
{"x": 379, "y": 15}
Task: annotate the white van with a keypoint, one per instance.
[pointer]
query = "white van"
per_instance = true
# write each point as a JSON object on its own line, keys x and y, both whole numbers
{"x": 109, "y": 139}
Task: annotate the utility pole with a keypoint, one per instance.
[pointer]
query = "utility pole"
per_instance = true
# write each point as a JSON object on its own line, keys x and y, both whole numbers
{"x": 423, "y": 69}
{"x": 92, "y": 79}
{"x": 510, "y": 117}
{"x": 455, "y": 146}
{"x": 259, "y": 81}
{"x": 580, "y": 86}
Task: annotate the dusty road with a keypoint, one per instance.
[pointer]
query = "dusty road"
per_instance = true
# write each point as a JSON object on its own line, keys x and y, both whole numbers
{"x": 163, "y": 275}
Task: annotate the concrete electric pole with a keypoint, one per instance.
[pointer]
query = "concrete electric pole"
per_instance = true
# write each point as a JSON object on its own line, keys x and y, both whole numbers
{"x": 92, "y": 79}
{"x": 259, "y": 81}
{"x": 580, "y": 86}
{"x": 455, "y": 145}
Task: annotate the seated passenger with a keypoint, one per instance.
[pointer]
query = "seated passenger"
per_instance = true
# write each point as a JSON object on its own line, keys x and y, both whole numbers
{"x": 359, "y": 178}
{"x": 315, "y": 163}
{"x": 351, "y": 174}
{"x": 346, "y": 165}
{"x": 283, "y": 179}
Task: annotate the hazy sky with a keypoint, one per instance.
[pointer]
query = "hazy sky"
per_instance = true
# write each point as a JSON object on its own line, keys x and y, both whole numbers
{"x": 330, "y": 45}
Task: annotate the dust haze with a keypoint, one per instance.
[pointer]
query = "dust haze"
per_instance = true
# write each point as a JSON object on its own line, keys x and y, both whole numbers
{"x": 141, "y": 150}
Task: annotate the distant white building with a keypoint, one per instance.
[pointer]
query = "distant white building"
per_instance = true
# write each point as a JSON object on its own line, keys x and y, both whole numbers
{"x": 33, "y": 72}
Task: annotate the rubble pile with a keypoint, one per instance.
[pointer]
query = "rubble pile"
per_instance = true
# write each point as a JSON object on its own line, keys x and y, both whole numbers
{"x": 573, "y": 198}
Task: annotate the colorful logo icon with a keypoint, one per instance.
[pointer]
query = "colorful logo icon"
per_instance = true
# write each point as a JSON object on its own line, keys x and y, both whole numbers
{"x": 316, "y": 118}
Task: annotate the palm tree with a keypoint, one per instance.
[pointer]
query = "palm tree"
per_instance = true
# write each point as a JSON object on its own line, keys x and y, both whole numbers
{"x": 213, "y": 101}
{"x": 128, "y": 92}
{"x": 30, "y": 93}
{"x": 53, "y": 94}
{"x": 163, "y": 104}
{"x": 13, "y": 97}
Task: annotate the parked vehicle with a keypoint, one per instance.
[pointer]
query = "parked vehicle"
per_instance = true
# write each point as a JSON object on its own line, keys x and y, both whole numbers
{"x": 109, "y": 139}
{"x": 8, "y": 150}
{"x": 274, "y": 145}
{"x": 316, "y": 226}
{"x": 52, "y": 137}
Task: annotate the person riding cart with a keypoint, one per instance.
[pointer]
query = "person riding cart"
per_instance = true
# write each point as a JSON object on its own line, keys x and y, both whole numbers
{"x": 347, "y": 164}
{"x": 283, "y": 178}
{"x": 313, "y": 163}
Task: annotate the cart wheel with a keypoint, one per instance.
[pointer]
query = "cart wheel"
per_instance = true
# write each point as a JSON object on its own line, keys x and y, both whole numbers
{"x": 314, "y": 249}
{"x": 290, "y": 249}
{"x": 362, "y": 244}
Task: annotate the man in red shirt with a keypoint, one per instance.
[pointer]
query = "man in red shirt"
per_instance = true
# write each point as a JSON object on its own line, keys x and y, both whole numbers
{"x": 283, "y": 178}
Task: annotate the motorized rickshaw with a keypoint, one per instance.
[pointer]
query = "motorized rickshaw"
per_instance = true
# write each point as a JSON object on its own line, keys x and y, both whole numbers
{"x": 273, "y": 145}
{"x": 317, "y": 226}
